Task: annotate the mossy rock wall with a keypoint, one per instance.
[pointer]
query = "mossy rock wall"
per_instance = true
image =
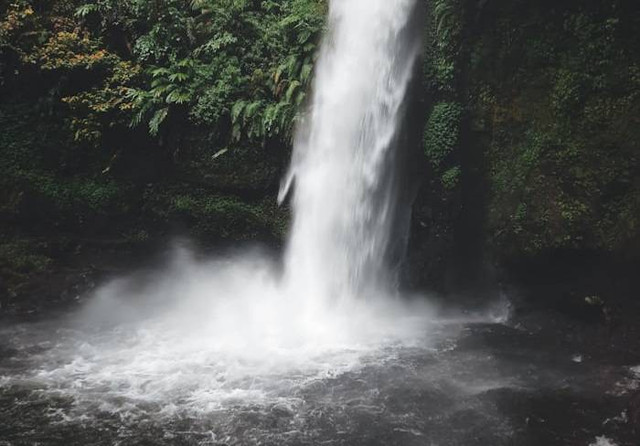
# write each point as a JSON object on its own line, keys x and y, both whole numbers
{"x": 532, "y": 136}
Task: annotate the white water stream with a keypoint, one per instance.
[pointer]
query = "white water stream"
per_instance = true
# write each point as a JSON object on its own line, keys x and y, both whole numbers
{"x": 200, "y": 335}
{"x": 346, "y": 203}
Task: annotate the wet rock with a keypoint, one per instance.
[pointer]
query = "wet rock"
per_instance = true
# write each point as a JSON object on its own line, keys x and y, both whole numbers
{"x": 282, "y": 410}
{"x": 7, "y": 352}
{"x": 633, "y": 414}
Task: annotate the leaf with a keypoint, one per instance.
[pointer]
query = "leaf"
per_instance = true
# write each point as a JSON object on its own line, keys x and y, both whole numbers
{"x": 157, "y": 72}
{"x": 186, "y": 63}
{"x": 136, "y": 120}
{"x": 444, "y": 15}
{"x": 283, "y": 123}
{"x": 305, "y": 73}
{"x": 218, "y": 154}
{"x": 159, "y": 92}
{"x": 292, "y": 65}
{"x": 84, "y": 10}
{"x": 179, "y": 77}
{"x": 237, "y": 109}
{"x": 251, "y": 110}
{"x": 291, "y": 90}
{"x": 269, "y": 118}
{"x": 304, "y": 36}
{"x": 159, "y": 83}
{"x": 277, "y": 75}
{"x": 157, "y": 120}
{"x": 236, "y": 132}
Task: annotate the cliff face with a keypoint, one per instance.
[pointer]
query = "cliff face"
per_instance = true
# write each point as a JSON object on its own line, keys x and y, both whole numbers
{"x": 532, "y": 132}
{"x": 135, "y": 123}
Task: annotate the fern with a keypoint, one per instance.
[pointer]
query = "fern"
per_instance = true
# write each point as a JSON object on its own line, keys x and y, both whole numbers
{"x": 251, "y": 111}
{"x": 157, "y": 119}
{"x": 293, "y": 87}
{"x": 159, "y": 72}
{"x": 215, "y": 75}
{"x": 86, "y": 10}
{"x": 446, "y": 18}
{"x": 237, "y": 110}
{"x": 305, "y": 73}
{"x": 178, "y": 97}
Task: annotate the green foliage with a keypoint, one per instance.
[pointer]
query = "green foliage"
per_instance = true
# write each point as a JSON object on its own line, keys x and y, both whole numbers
{"x": 568, "y": 91}
{"x": 20, "y": 261}
{"x": 440, "y": 202}
{"x": 443, "y": 43}
{"x": 22, "y": 257}
{"x": 552, "y": 96}
{"x": 241, "y": 68}
{"x": 171, "y": 86}
{"x": 197, "y": 59}
{"x": 558, "y": 98}
{"x": 107, "y": 99}
{"x": 98, "y": 196}
{"x": 447, "y": 19}
{"x": 87, "y": 76}
{"x": 218, "y": 216}
{"x": 96, "y": 92}
{"x": 442, "y": 132}
{"x": 34, "y": 152}
{"x": 451, "y": 178}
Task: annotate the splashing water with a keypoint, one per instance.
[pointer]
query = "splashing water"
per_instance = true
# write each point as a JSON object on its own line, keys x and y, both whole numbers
{"x": 204, "y": 334}
{"x": 238, "y": 351}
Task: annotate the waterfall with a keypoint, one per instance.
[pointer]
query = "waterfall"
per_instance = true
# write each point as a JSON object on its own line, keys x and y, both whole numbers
{"x": 200, "y": 334}
{"x": 343, "y": 171}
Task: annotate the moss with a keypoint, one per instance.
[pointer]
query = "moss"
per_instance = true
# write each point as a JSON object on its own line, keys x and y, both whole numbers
{"x": 550, "y": 138}
{"x": 215, "y": 216}
{"x": 20, "y": 260}
{"x": 442, "y": 132}
{"x": 557, "y": 99}
{"x": 22, "y": 256}
{"x": 451, "y": 178}
{"x": 443, "y": 40}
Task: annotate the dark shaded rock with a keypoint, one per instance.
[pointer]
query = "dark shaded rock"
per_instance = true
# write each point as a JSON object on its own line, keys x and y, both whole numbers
{"x": 633, "y": 414}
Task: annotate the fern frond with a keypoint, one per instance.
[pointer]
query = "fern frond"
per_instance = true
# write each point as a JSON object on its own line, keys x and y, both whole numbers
{"x": 157, "y": 120}
{"x": 236, "y": 110}
{"x": 293, "y": 87}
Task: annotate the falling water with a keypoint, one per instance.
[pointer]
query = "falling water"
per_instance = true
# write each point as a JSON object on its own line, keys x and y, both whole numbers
{"x": 230, "y": 351}
{"x": 346, "y": 195}
{"x": 204, "y": 335}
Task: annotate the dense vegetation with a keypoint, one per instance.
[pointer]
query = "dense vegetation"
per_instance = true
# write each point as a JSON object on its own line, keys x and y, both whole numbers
{"x": 132, "y": 119}
{"x": 533, "y": 136}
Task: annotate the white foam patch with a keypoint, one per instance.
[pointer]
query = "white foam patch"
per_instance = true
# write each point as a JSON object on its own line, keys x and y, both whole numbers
{"x": 201, "y": 336}
{"x": 603, "y": 441}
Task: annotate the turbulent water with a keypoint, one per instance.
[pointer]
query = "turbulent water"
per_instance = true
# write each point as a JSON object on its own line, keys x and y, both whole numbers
{"x": 203, "y": 334}
{"x": 244, "y": 351}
